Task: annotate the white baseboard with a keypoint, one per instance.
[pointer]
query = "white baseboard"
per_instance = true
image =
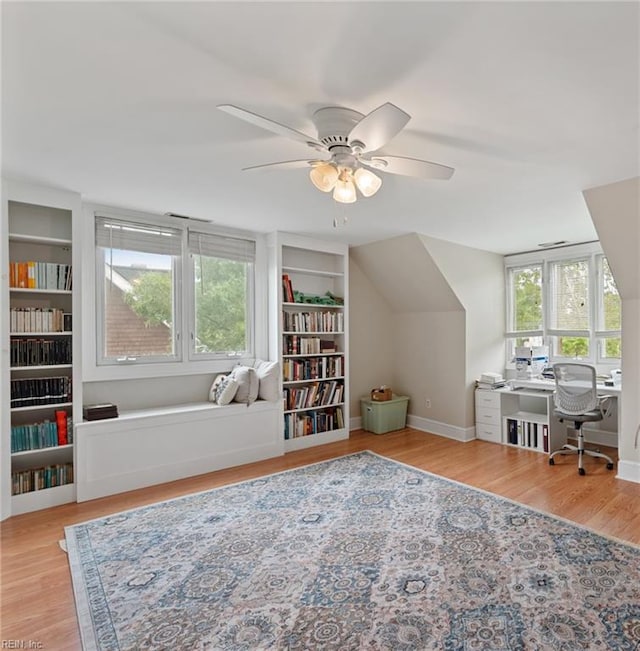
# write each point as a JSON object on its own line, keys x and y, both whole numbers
{"x": 629, "y": 471}
{"x": 431, "y": 426}
{"x": 462, "y": 434}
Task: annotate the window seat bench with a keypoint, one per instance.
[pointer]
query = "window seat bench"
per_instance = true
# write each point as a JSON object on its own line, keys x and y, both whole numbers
{"x": 152, "y": 446}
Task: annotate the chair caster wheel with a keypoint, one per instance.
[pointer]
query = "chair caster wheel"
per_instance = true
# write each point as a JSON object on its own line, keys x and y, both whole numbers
{"x": 609, "y": 466}
{"x": 552, "y": 462}
{"x": 581, "y": 471}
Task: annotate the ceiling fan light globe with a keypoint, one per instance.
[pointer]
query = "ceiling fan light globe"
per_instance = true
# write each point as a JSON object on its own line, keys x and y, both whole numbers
{"x": 345, "y": 191}
{"x": 324, "y": 177}
{"x": 368, "y": 183}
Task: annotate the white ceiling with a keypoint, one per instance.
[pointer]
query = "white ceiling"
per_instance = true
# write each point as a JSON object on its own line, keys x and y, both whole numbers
{"x": 530, "y": 102}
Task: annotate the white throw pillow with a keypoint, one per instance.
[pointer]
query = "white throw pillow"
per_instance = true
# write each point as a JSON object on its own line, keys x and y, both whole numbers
{"x": 248, "y": 384}
{"x": 269, "y": 388}
{"x": 223, "y": 390}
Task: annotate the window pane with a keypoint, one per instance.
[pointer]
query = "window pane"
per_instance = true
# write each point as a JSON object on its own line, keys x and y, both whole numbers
{"x": 221, "y": 305}
{"x": 570, "y": 296}
{"x": 611, "y": 317}
{"x": 611, "y": 348}
{"x": 138, "y": 304}
{"x": 571, "y": 347}
{"x": 526, "y": 294}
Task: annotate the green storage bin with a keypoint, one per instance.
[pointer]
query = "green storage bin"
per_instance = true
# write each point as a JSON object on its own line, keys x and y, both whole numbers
{"x": 382, "y": 417}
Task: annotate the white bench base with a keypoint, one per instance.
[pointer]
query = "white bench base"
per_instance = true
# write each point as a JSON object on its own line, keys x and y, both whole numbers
{"x": 153, "y": 446}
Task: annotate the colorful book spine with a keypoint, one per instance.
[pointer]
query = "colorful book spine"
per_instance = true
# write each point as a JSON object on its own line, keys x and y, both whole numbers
{"x": 61, "y": 422}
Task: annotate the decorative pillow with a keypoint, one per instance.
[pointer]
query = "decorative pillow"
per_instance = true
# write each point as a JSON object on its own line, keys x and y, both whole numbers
{"x": 268, "y": 372}
{"x": 223, "y": 390}
{"x": 214, "y": 386}
{"x": 248, "y": 384}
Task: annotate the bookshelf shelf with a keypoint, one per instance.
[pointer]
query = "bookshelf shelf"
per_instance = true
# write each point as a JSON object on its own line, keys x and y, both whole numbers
{"x": 304, "y": 409}
{"x": 28, "y": 290}
{"x": 41, "y": 367}
{"x": 39, "y": 451}
{"x": 311, "y": 355}
{"x": 312, "y": 332}
{"x": 309, "y": 337}
{"x": 39, "y": 407}
{"x": 41, "y": 224}
{"x": 315, "y": 379}
{"x": 316, "y": 306}
{"x": 48, "y": 333}
{"x": 43, "y": 498}
{"x": 39, "y": 239}
{"x": 311, "y": 272}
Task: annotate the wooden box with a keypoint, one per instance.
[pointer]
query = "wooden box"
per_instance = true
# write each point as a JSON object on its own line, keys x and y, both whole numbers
{"x": 381, "y": 395}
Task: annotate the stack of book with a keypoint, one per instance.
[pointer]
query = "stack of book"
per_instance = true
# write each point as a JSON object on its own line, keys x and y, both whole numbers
{"x": 490, "y": 381}
{"x": 99, "y": 412}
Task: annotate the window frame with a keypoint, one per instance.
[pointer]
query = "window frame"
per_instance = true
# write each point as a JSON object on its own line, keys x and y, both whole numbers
{"x": 591, "y": 252}
{"x": 100, "y": 288}
{"x": 86, "y": 283}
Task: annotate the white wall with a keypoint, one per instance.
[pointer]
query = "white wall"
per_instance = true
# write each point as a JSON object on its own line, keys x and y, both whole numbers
{"x": 447, "y": 306}
{"x": 477, "y": 278}
{"x": 615, "y": 210}
{"x": 371, "y": 338}
{"x": 429, "y": 363}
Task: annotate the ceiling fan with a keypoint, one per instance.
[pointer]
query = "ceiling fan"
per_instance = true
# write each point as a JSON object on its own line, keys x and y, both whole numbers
{"x": 353, "y": 142}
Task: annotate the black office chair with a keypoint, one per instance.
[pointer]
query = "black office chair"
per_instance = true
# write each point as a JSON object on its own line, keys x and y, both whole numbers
{"x": 576, "y": 399}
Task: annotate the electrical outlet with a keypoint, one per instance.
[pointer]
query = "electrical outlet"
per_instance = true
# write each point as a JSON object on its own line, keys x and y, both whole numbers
{"x": 427, "y": 403}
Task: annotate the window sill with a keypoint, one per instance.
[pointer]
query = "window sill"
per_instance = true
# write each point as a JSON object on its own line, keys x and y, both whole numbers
{"x": 95, "y": 373}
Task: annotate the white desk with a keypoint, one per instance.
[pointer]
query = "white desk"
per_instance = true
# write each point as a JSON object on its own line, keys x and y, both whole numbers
{"x": 550, "y": 385}
{"x": 604, "y": 432}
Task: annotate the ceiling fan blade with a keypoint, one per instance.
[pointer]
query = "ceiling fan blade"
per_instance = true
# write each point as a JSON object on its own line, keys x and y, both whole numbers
{"x": 378, "y": 127}
{"x": 421, "y": 169}
{"x": 270, "y": 125}
{"x": 285, "y": 165}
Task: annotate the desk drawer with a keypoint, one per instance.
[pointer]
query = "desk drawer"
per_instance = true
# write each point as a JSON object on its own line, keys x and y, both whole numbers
{"x": 487, "y": 416}
{"x": 487, "y": 399}
{"x": 488, "y": 433}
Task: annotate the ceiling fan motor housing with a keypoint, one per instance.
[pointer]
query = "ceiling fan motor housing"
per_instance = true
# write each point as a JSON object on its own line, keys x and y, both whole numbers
{"x": 334, "y": 124}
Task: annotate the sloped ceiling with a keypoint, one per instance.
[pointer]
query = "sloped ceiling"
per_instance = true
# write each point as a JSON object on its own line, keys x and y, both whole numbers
{"x": 405, "y": 275}
{"x": 615, "y": 210}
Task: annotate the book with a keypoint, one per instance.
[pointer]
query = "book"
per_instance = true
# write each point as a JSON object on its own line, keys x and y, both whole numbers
{"x": 61, "y": 423}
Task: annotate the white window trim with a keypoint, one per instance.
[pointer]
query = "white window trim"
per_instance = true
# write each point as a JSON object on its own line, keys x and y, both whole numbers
{"x": 590, "y": 251}
{"x": 92, "y": 372}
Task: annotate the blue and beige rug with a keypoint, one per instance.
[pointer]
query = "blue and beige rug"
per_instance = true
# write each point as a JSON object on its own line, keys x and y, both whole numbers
{"x": 359, "y": 552}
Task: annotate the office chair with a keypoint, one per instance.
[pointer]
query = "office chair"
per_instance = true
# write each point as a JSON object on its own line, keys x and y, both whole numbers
{"x": 576, "y": 399}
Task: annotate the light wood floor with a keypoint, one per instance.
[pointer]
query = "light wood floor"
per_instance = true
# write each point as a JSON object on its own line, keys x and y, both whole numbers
{"x": 37, "y": 599}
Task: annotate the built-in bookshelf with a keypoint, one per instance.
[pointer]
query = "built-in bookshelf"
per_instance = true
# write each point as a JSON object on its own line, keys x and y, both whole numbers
{"x": 41, "y": 364}
{"x": 309, "y": 336}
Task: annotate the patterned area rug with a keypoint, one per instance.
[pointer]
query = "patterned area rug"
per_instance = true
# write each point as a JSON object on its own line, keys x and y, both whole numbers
{"x": 359, "y": 552}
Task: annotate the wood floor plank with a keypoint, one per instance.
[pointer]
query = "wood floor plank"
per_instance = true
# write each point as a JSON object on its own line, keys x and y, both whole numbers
{"x": 36, "y": 597}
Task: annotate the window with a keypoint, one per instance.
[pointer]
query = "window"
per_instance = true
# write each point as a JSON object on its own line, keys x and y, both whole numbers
{"x": 566, "y": 299}
{"x": 155, "y": 281}
{"x": 524, "y": 305}
{"x": 569, "y": 309}
{"x": 138, "y": 275}
{"x": 221, "y": 275}
{"x": 610, "y": 314}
